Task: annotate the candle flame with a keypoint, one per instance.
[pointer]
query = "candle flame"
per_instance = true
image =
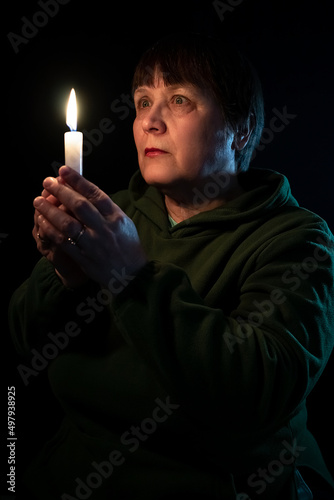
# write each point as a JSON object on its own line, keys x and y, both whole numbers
{"x": 71, "y": 114}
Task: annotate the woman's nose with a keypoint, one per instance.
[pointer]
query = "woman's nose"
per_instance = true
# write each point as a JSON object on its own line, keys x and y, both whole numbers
{"x": 154, "y": 122}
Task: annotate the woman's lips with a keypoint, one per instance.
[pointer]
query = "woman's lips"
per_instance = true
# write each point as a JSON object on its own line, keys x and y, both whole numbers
{"x": 154, "y": 152}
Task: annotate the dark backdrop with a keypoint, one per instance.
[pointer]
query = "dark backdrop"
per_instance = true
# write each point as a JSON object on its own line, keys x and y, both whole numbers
{"x": 93, "y": 46}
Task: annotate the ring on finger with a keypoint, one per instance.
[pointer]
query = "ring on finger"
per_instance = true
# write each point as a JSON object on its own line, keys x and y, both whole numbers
{"x": 74, "y": 241}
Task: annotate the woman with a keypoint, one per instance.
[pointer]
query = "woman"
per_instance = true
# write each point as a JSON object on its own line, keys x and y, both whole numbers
{"x": 200, "y": 299}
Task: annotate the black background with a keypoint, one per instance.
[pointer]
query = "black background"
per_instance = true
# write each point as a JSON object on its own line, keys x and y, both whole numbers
{"x": 93, "y": 46}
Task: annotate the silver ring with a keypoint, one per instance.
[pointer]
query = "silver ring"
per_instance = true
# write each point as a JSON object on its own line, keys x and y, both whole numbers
{"x": 75, "y": 241}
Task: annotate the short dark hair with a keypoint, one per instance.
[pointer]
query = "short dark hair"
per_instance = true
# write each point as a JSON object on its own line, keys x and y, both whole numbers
{"x": 214, "y": 66}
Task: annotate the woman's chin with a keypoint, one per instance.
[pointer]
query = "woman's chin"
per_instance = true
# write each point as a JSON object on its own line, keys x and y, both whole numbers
{"x": 157, "y": 175}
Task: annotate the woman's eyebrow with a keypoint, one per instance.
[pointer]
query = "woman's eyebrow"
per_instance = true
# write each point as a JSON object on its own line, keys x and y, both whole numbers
{"x": 171, "y": 88}
{"x": 140, "y": 90}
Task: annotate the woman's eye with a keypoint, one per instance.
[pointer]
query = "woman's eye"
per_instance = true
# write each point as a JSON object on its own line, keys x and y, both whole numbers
{"x": 179, "y": 99}
{"x": 143, "y": 103}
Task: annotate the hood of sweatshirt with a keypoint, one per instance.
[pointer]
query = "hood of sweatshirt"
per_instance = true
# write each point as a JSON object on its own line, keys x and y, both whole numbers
{"x": 265, "y": 192}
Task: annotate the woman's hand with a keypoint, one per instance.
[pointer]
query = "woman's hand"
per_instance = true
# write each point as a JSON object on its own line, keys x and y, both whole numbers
{"x": 68, "y": 271}
{"x": 82, "y": 225}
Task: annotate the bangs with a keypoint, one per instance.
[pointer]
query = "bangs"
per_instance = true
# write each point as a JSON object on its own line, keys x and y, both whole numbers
{"x": 177, "y": 60}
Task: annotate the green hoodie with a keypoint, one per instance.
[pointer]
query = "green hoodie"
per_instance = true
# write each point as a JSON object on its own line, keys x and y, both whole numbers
{"x": 193, "y": 379}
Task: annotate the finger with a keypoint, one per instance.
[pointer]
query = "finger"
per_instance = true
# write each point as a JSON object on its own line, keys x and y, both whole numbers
{"x": 55, "y": 223}
{"x": 75, "y": 203}
{"x": 52, "y": 199}
{"x": 50, "y": 233}
{"x": 37, "y": 231}
{"x": 89, "y": 190}
{"x": 36, "y": 214}
{"x": 43, "y": 243}
{"x": 46, "y": 194}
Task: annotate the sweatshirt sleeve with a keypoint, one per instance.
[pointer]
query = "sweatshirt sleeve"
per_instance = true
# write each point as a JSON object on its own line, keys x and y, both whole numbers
{"x": 43, "y": 304}
{"x": 249, "y": 368}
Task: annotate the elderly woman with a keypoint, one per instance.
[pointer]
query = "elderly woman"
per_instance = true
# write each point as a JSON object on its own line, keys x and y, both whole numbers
{"x": 192, "y": 312}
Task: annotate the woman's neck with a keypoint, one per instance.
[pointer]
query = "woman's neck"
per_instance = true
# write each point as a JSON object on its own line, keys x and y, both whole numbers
{"x": 180, "y": 208}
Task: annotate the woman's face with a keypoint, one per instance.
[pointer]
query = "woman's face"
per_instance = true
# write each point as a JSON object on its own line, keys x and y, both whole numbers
{"x": 180, "y": 135}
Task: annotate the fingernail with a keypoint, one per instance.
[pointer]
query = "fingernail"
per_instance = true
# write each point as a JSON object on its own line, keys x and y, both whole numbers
{"x": 49, "y": 181}
{"x": 64, "y": 171}
{"x": 38, "y": 201}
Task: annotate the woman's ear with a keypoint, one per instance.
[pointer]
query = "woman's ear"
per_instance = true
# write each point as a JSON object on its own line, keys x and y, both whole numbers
{"x": 243, "y": 134}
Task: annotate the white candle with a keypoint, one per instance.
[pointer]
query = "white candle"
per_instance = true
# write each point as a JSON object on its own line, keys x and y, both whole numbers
{"x": 73, "y": 139}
